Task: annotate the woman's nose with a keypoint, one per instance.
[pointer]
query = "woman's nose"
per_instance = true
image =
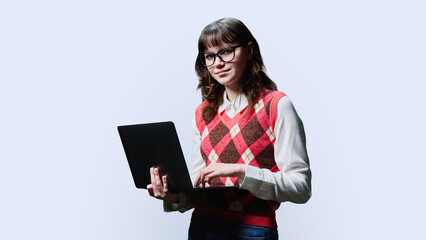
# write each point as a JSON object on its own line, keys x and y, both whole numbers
{"x": 218, "y": 62}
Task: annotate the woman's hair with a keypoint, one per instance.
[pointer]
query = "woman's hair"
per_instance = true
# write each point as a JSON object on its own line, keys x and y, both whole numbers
{"x": 230, "y": 30}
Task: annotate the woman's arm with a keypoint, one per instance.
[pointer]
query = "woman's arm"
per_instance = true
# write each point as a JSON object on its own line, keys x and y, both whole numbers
{"x": 293, "y": 181}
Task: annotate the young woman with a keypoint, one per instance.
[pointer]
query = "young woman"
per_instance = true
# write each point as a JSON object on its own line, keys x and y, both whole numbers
{"x": 246, "y": 134}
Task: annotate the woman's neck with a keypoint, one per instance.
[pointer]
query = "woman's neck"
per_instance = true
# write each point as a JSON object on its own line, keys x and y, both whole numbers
{"x": 232, "y": 93}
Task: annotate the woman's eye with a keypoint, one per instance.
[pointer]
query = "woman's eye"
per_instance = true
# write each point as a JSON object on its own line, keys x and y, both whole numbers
{"x": 209, "y": 57}
{"x": 226, "y": 52}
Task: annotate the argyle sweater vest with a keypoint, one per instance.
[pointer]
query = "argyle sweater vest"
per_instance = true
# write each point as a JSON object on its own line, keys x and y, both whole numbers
{"x": 248, "y": 138}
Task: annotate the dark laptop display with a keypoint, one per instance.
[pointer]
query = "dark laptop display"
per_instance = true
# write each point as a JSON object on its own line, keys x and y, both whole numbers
{"x": 155, "y": 144}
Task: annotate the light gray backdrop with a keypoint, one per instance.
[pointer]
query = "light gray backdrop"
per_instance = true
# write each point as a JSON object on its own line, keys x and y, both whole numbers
{"x": 71, "y": 71}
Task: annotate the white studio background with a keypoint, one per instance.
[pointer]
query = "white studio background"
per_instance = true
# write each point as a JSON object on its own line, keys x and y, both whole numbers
{"x": 71, "y": 71}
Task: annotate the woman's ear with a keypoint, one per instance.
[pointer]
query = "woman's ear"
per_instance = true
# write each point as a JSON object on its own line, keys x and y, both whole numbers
{"x": 250, "y": 47}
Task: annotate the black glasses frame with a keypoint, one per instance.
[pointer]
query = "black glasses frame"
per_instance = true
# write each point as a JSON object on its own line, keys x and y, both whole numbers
{"x": 202, "y": 56}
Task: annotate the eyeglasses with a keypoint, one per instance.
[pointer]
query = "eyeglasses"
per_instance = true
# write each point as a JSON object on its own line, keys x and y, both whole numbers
{"x": 225, "y": 55}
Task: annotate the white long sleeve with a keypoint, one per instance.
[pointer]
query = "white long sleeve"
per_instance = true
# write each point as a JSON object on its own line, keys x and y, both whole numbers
{"x": 293, "y": 181}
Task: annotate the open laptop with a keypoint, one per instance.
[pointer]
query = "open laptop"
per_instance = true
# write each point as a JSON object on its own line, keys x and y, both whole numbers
{"x": 156, "y": 144}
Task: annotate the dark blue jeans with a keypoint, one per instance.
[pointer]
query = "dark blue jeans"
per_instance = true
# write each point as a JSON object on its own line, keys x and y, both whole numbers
{"x": 208, "y": 228}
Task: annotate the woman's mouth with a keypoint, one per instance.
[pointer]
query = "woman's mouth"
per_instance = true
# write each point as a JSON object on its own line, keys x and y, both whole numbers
{"x": 222, "y": 73}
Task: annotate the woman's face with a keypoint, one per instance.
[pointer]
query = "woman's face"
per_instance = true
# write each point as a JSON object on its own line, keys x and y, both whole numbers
{"x": 230, "y": 74}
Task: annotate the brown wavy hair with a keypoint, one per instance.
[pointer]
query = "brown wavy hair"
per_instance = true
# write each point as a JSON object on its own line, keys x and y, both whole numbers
{"x": 230, "y": 30}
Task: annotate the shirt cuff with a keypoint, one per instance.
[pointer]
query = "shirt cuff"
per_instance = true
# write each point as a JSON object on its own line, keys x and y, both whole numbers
{"x": 251, "y": 178}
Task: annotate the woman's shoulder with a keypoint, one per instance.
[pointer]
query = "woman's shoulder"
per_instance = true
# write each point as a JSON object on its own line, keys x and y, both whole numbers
{"x": 274, "y": 92}
{"x": 279, "y": 99}
{"x": 272, "y": 96}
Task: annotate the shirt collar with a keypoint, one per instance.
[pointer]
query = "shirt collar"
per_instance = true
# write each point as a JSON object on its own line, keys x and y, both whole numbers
{"x": 238, "y": 104}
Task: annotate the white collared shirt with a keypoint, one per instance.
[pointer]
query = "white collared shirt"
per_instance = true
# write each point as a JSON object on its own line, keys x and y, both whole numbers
{"x": 235, "y": 106}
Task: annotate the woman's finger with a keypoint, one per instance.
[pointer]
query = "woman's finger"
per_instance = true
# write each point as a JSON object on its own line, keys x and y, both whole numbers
{"x": 197, "y": 181}
{"x": 157, "y": 177}
{"x": 151, "y": 171}
{"x": 202, "y": 179}
{"x": 165, "y": 186}
{"x": 150, "y": 191}
{"x": 210, "y": 177}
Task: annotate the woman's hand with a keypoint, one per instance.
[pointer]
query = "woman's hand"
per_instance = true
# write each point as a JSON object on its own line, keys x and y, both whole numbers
{"x": 215, "y": 170}
{"x": 160, "y": 189}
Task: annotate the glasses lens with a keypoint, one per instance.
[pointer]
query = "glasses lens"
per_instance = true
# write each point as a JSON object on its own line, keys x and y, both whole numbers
{"x": 227, "y": 54}
{"x": 208, "y": 59}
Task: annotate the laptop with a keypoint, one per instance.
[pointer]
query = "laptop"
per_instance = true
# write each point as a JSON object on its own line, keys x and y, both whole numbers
{"x": 157, "y": 144}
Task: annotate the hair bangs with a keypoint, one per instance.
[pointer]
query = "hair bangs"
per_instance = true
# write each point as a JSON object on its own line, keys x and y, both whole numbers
{"x": 215, "y": 35}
